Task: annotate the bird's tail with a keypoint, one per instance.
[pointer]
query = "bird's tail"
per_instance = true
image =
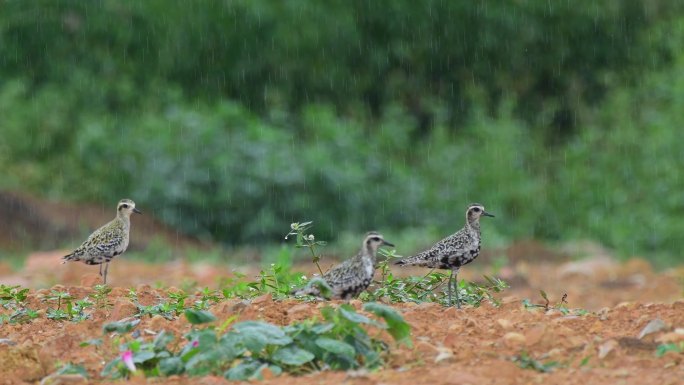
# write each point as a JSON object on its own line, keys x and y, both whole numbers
{"x": 408, "y": 261}
{"x": 401, "y": 262}
{"x": 308, "y": 290}
{"x": 70, "y": 257}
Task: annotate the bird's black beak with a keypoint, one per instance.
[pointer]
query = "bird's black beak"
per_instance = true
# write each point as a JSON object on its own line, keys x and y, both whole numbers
{"x": 135, "y": 210}
{"x": 486, "y": 214}
{"x": 385, "y": 243}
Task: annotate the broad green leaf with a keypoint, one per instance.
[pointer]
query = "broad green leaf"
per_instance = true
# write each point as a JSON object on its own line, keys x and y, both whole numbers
{"x": 143, "y": 356}
{"x": 162, "y": 339}
{"x": 397, "y": 327}
{"x": 196, "y": 317}
{"x": 246, "y": 370}
{"x": 171, "y": 366}
{"x": 73, "y": 369}
{"x": 336, "y": 347}
{"x": 120, "y": 327}
{"x": 293, "y": 355}
{"x": 349, "y": 313}
{"x": 255, "y": 335}
{"x": 322, "y": 328}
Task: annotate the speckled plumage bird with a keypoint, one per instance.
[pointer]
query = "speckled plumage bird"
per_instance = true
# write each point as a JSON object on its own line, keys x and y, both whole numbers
{"x": 455, "y": 250}
{"x": 351, "y": 277}
{"x": 108, "y": 241}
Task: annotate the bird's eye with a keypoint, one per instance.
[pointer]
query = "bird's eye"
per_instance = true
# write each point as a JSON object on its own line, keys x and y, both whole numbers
{"x": 376, "y": 239}
{"x": 476, "y": 209}
{"x": 124, "y": 205}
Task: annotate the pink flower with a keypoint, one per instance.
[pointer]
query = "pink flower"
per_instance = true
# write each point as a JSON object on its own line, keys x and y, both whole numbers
{"x": 195, "y": 344}
{"x": 127, "y": 358}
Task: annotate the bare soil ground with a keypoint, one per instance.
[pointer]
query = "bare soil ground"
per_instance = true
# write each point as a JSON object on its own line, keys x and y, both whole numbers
{"x": 468, "y": 346}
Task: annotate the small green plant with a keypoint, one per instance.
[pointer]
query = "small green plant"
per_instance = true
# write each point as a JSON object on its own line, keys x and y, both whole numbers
{"x": 14, "y": 298}
{"x": 339, "y": 341}
{"x": 277, "y": 281}
{"x": 474, "y": 293}
{"x": 101, "y": 296}
{"x": 178, "y": 300}
{"x": 165, "y": 309}
{"x": 526, "y": 362}
{"x": 73, "y": 310}
{"x": 206, "y": 298}
{"x": 307, "y": 240}
{"x": 62, "y": 298}
{"x": 561, "y": 306}
{"x": 237, "y": 287}
{"x": 670, "y": 347}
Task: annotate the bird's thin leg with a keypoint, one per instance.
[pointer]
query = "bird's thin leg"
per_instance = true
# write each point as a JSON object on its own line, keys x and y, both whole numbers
{"x": 105, "y": 273}
{"x": 458, "y": 299}
{"x": 449, "y": 287}
{"x": 100, "y": 270}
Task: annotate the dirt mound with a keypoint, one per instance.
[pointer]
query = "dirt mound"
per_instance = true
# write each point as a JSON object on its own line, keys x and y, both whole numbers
{"x": 28, "y": 222}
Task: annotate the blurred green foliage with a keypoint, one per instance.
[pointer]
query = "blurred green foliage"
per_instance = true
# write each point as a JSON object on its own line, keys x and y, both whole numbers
{"x": 232, "y": 119}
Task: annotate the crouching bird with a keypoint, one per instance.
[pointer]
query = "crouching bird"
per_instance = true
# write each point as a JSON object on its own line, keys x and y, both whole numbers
{"x": 351, "y": 277}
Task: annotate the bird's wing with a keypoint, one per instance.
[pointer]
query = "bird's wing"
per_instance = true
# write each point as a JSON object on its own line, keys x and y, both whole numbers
{"x": 438, "y": 256}
{"x": 340, "y": 274}
{"x": 106, "y": 241}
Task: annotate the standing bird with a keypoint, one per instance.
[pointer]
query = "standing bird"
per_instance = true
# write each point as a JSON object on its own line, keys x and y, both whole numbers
{"x": 108, "y": 241}
{"x": 351, "y": 277}
{"x": 455, "y": 250}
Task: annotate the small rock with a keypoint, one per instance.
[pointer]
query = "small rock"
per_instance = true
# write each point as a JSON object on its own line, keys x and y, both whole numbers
{"x": 654, "y": 326}
{"x": 240, "y": 306}
{"x": 513, "y": 339}
{"x": 298, "y": 309}
{"x": 606, "y": 348}
{"x": 157, "y": 322}
{"x": 672, "y": 337}
{"x": 444, "y": 354}
{"x": 123, "y": 308}
{"x": 452, "y": 340}
{"x": 471, "y": 323}
{"x": 505, "y": 324}
{"x": 7, "y": 341}
{"x": 262, "y": 299}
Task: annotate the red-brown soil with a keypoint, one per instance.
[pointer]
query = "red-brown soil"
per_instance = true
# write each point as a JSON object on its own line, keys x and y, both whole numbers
{"x": 468, "y": 346}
